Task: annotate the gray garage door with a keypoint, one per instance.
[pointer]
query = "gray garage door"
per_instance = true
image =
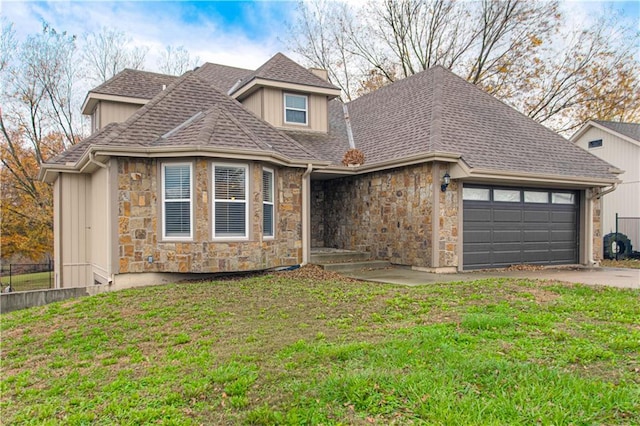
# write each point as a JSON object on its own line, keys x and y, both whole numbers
{"x": 507, "y": 226}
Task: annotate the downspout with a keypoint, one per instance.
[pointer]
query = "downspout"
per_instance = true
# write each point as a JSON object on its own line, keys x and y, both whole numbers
{"x": 306, "y": 218}
{"x": 592, "y": 195}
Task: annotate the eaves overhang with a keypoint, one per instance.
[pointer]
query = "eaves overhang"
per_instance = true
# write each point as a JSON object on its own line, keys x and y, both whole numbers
{"x": 98, "y": 154}
{"x": 333, "y": 171}
{"x": 461, "y": 171}
{"x": 93, "y": 98}
{"x": 256, "y": 83}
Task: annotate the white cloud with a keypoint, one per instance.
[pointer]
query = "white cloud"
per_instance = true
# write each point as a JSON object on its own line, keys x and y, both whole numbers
{"x": 158, "y": 24}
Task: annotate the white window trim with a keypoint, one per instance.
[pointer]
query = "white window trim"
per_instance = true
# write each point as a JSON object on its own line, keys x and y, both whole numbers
{"x": 272, "y": 203}
{"x": 164, "y": 201}
{"x": 246, "y": 201}
{"x": 306, "y": 110}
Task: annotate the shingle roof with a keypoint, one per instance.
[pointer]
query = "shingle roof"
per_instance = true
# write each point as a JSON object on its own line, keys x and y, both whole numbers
{"x": 433, "y": 111}
{"x": 134, "y": 83}
{"x": 332, "y": 145}
{"x": 437, "y": 111}
{"x": 630, "y": 130}
{"x": 221, "y": 76}
{"x": 74, "y": 153}
{"x": 280, "y": 68}
{"x": 191, "y": 112}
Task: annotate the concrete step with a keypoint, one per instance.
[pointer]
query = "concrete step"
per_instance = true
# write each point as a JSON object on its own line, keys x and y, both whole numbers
{"x": 356, "y": 266}
{"x": 344, "y": 256}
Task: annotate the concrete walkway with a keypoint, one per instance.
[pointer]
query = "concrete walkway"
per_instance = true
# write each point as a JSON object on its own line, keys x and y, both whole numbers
{"x": 613, "y": 277}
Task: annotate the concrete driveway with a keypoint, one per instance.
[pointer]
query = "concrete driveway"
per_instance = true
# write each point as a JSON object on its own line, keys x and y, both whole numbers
{"x": 613, "y": 277}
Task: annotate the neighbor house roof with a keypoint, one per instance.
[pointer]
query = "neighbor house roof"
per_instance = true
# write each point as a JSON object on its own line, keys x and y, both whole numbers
{"x": 627, "y": 131}
{"x": 630, "y": 130}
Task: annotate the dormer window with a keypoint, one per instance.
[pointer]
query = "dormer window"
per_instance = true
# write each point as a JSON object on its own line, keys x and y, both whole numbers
{"x": 295, "y": 109}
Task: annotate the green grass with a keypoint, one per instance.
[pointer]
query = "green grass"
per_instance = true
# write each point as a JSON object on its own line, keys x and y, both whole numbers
{"x": 27, "y": 282}
{"x": 278, "y": 350}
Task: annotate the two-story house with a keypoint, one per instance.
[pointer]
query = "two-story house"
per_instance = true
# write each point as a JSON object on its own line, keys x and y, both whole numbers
{"x": 225, "y": 169}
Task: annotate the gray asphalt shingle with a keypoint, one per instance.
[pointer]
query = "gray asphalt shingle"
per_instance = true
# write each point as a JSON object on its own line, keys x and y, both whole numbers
{"x": 630, "y": 130}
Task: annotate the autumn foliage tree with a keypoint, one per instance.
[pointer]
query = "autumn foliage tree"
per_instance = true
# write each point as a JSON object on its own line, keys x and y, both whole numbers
{"x": 39, "y": 119}
{"x": 27, "y": 203}
{"x": 523, "y": 52}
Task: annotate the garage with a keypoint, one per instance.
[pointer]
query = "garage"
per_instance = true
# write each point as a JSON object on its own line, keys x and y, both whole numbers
{"x": 504, "y": 226}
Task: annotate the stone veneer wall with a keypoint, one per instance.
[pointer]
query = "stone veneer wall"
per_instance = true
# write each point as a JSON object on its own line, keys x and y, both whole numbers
{"x": 449, "y": 223}
{"x": 317, "y": 213}
{"x": 387, "y": 213}
{"x": 140, "y": 231}
{"x": 597, "y": 230}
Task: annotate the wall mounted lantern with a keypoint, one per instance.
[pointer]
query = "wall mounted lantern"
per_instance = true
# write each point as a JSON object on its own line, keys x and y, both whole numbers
{"x": 446, "y": 179}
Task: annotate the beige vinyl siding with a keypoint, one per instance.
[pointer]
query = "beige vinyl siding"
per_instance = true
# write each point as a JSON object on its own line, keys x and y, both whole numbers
{"x": 114, "y": 112}
{"x": 101, "y": 229}
{"x": 623, "y": 155}
{"x": 318, "y": 113}
{"x": 254, "y": 102}
{"x": 75, "y": 230}
{"x": 273, "y": 101}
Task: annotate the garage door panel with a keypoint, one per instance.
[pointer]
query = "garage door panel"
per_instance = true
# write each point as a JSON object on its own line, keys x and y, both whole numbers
{"x": 476, "y": 236}
{"x": 481, "y": 259}
{"x": 539, "y": 246}
{"x": 536, "y": 217}
{"x": 477, "y": 215}
{"x": 498, "y": 234}
{"x": 507, "y": 236}
{"x": 502, "y": 215}
{"x": 559, "y": 236}
{"x": 536, "y": 256}
{"x": 509, "y": 257}
{"x": 563, "y": 217}
{"x": 535, "y": 235}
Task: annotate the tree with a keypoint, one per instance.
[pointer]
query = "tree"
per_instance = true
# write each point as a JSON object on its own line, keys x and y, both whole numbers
{"x": 520, "y": 51}
{"x": 176, "y": 60}
{"x": 40, "y": 117}
{"x": 109, "y": 51}
{"x": 7, "y": 42}
{"x": 26, "y": 208}
{"x": 324, "y": 40}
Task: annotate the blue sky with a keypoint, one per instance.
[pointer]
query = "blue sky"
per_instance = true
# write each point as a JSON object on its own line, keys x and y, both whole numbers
{"x": 242, "y": 34}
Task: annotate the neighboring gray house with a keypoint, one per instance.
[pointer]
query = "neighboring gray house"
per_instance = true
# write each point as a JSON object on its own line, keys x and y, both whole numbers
{"x": 617, "y": 144}
{"x": 225, "y": 169}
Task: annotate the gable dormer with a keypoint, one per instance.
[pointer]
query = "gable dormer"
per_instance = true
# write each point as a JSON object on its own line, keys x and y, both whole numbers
{"x": 121, "y": 96}
{"x": 286, "y": 95}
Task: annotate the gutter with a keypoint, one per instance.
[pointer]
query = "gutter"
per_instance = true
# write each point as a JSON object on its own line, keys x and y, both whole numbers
{"x": 306, "y": 216}
{"x": 598, "y": 195}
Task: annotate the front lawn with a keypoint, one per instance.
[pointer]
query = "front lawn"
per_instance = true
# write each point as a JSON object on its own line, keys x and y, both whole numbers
{"x": 289, "y": 349}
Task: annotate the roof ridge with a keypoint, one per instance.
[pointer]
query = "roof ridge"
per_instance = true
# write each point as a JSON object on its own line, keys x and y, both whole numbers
{"x": 437, "y": 98}
{"x": 246, "y": 131}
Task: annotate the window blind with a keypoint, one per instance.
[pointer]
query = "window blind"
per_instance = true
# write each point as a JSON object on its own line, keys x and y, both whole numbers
{"x": 177, "y": 200}
{"x": 230, "y": 201}
{"x": 267, "y": 203}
